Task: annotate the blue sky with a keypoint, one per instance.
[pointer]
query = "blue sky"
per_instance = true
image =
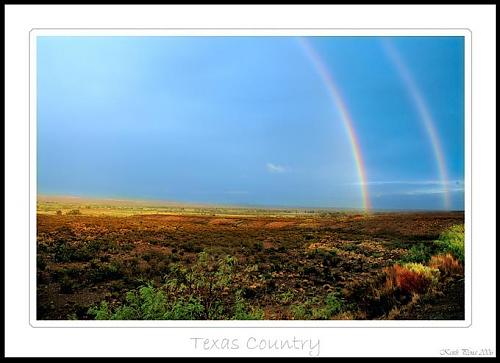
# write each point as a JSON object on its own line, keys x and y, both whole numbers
{"x": 247, "y": 120}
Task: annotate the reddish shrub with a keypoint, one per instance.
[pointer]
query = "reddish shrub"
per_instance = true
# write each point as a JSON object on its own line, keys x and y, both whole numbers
{"x": 411, "y": 281}
{"x": 447, "y": 265}
{"x": 407, "y": 280}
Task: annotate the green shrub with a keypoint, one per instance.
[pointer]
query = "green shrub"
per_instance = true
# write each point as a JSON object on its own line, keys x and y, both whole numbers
{"x": 63, "y": 252}
{"x": 150, "y": 303}
{"x": 331, "y": 306}
{"x": 315, "y": 309}
{"x": 452, "y": 241}
{"x": 418, "y": 253}
{"x": 286, "y": 297}
{"x": 67, "y": 251}
{"x": 106, "y": 271}
{"x": 185, "y": 309}
{"x": 243, "y": 312}
{"x": 100, "y": 312}
{"x": 201, "y": 291}
{"x": 300, "y": 312}
{"x": 145, "y": 303}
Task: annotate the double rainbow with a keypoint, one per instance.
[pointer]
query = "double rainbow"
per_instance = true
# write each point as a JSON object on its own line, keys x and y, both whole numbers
{"x": 417, "y": 98}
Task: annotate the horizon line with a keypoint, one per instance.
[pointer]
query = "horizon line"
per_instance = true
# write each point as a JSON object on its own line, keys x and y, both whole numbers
{"x": 177, "y": 203}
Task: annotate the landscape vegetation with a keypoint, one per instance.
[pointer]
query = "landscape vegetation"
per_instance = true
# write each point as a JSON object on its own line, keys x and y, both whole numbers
{"x": 112, "y": 259}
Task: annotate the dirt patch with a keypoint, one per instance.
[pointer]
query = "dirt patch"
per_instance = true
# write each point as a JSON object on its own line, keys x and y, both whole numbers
{"x": 280, "y": 224}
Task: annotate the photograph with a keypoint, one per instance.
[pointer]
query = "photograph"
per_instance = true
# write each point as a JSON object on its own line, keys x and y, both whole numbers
{"x": 249, "y": 177}
{"x": 223, "y": 180}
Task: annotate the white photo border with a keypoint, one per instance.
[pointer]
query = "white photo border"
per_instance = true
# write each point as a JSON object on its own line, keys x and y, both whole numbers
{"x": 376, "y": 32}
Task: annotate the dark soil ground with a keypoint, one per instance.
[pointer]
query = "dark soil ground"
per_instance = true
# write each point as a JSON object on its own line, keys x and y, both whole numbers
{"x": 444, "y": 305}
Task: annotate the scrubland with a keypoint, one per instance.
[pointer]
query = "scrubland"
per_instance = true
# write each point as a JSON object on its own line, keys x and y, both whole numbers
{"x": 98, "y": 260}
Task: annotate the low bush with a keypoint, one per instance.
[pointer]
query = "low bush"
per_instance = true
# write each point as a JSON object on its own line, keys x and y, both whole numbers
{"x": 431, "y": 274}
{"x": 452, "y": 241}
{"x": 242, "y": 310}
{"x": 411, "y": 277}
{"x": 148, "y": 303}
{"x": 331, "y": 306}
{"x": 418, "y": 253}
{"x": 447, "y": 265}
{"x": 328, "y": 258}
{"x": 67, "y": 251}
{"x": 63, "y": 251}
{"x": 300, "y": 311}
{"x": 258, "y": 246}
{"x": 315, "y": 309}
{"x": 105, "y": 272}
{"x": 67, "y": 285}
{"x": 286, "y": 297}
{"x": 192, "y": 247}
{"x": 201, "y": 291}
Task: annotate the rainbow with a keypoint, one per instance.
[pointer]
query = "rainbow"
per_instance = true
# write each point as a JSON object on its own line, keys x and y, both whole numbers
{"x": 347, "y": 121}
{"x": 424, "y": 112}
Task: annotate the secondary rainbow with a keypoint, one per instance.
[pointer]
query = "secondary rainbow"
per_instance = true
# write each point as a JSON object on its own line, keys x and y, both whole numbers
{"x": 425, "y": 115}
{"x": 345, "y": 116}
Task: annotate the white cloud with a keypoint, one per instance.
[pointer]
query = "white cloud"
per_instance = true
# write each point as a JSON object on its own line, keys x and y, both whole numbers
{"x": 433, "y": 191}
{"x": 423, "y": 191}
{"x": 414, "y": 187}
{"x": 449, "y": 183}
{"x": 275, "y": 168}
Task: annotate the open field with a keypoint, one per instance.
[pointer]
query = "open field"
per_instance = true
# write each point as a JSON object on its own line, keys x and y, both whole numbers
{"x": 125, "y": 208}
{"x": 108, "y": 260}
